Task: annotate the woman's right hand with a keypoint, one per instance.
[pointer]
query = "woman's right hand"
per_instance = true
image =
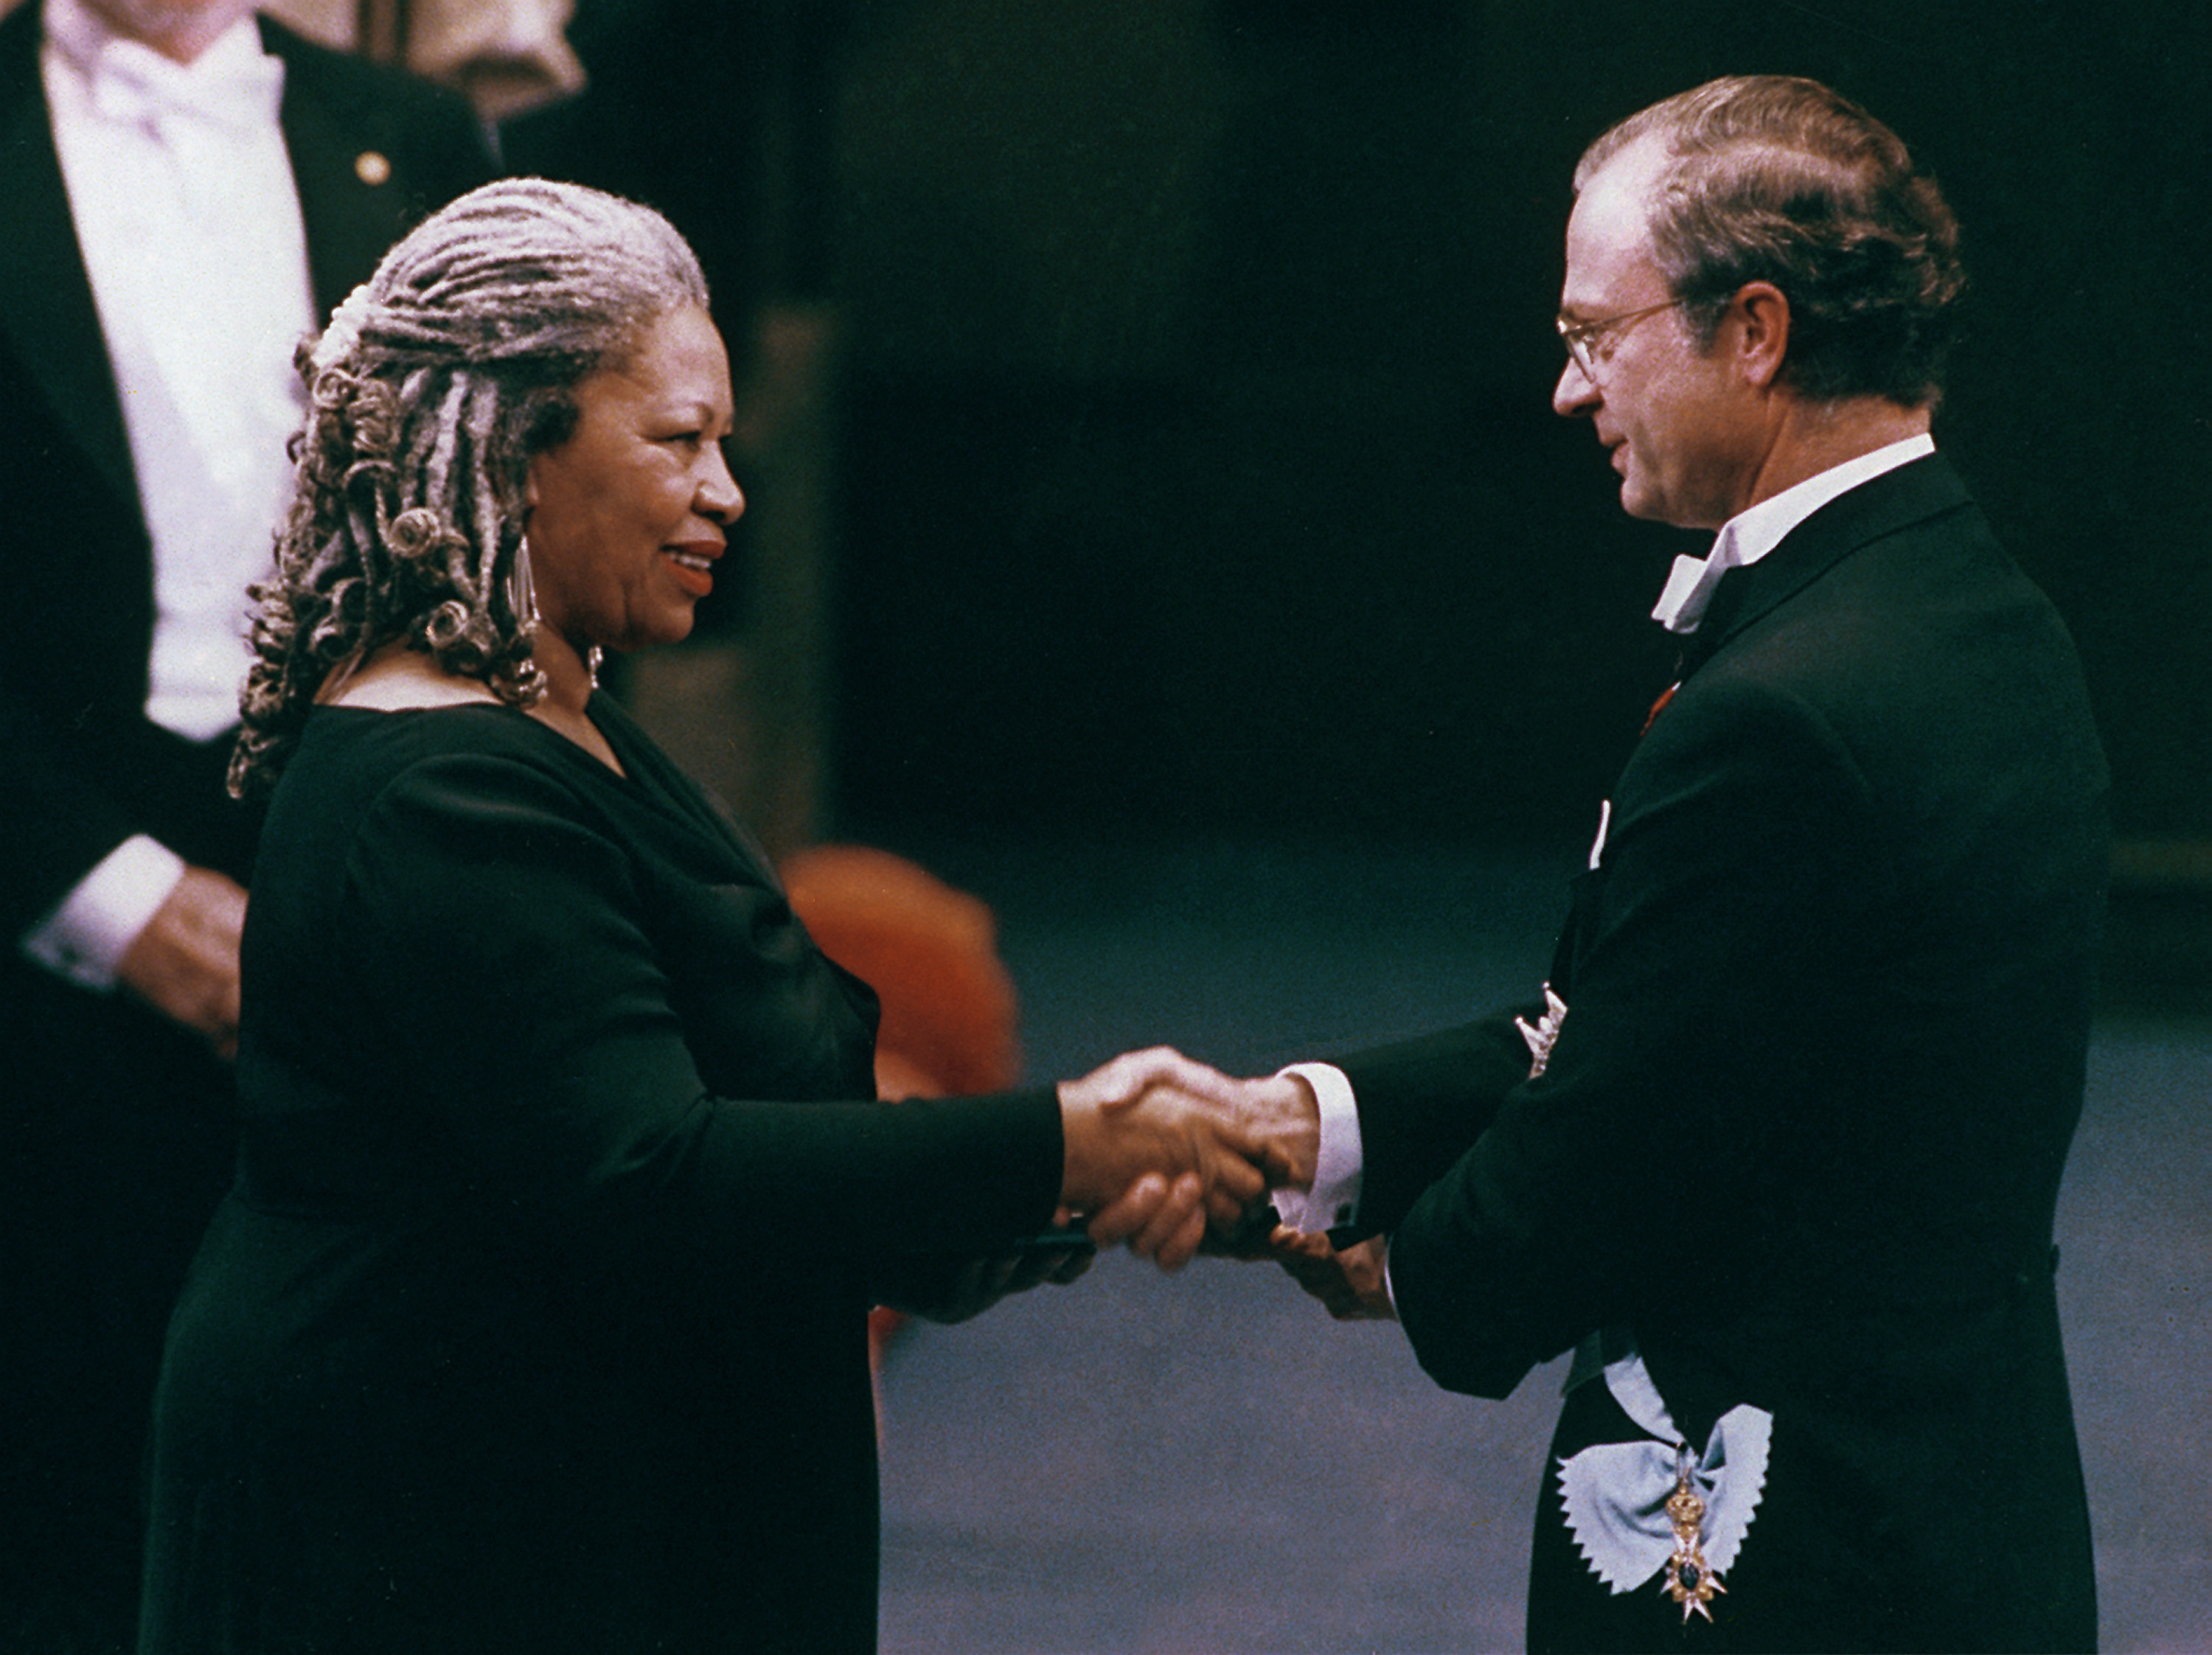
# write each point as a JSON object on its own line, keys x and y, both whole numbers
{"x": 1203, "y": 1147}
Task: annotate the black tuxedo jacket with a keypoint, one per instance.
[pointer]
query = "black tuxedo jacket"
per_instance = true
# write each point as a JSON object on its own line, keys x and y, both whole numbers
{"x": 115, "y": 1136}
{"x": 1801, "y": 1131}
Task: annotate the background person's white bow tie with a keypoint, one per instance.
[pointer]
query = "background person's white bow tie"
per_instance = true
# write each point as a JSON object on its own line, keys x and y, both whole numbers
{"x": 134, "y": 83}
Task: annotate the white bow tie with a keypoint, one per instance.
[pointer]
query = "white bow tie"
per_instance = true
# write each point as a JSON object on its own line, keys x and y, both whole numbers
{"x": 133, "y": 83}
{"x": 1690, "y": 585}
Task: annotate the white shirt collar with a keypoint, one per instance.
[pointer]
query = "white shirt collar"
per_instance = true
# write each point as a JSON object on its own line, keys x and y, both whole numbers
{"x": 231, "y": 81}
{"x": 1754, "y": 533}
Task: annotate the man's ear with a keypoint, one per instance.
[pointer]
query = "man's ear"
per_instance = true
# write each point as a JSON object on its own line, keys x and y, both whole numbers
{"x": 1762, "y": 313}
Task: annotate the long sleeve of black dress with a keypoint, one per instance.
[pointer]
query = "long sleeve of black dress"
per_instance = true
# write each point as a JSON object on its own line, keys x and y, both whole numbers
{"x": 537, "y": 1318}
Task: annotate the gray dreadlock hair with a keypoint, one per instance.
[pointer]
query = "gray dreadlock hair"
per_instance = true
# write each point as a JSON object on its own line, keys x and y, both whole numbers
{"x": 434, "y": 386}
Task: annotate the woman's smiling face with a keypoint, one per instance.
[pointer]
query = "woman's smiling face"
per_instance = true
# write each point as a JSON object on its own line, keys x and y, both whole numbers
{"x": 628, "y": 515}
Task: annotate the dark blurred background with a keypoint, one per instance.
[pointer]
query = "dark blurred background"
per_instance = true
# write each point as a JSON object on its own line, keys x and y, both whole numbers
{"x": 1150, "y": 433}
{"x": 1199, "y": 462}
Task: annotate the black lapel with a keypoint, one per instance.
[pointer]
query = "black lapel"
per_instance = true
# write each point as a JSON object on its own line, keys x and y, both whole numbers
{"x": 1919, "y": 489}
{"x": 341, "y": 138}
{"x": 46, "y": 307}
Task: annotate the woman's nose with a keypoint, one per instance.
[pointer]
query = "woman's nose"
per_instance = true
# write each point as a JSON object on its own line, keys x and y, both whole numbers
{"x": 719, "y": 496}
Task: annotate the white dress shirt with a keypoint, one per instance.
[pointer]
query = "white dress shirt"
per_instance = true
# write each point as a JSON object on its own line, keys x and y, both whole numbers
{"x": 188, "y": 219}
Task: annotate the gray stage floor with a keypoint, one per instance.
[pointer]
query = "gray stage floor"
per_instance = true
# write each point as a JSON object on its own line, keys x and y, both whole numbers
{"x": 1206, "y": 1463}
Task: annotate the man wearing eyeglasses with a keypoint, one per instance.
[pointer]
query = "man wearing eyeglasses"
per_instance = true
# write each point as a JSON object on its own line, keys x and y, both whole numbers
{"x": 1776, "y": 1152}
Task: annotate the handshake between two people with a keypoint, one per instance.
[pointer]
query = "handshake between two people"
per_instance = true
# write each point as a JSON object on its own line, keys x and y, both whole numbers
{"x": 1174, "y": 1158}
{"x": 1167, "y": 1155}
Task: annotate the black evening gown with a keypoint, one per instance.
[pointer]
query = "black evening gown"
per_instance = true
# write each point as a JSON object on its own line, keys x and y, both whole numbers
{"x": 535, "y": 1319}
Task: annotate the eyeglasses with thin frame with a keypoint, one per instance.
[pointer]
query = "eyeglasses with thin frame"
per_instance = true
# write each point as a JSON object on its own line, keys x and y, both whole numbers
{"x": 1581, "y": 338}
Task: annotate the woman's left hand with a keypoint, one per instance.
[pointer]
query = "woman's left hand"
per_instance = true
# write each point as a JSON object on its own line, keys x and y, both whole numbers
{"x": 940, "y": 1289}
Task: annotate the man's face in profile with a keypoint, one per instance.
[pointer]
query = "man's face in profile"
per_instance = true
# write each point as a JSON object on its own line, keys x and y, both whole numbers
{"x": 1668, "y": 414}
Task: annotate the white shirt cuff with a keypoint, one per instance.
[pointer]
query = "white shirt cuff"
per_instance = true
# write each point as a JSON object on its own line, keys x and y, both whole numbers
{"x": 1338, "y": 1166}
{"x": 87, "y": 934}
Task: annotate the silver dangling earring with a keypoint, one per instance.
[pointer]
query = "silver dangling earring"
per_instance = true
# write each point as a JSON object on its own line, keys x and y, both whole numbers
{"x": 521, "y": 591}
{"x": 522, "y": 598}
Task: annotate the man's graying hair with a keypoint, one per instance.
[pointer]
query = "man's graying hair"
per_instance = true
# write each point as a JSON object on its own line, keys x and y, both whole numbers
{"x": 430, "y": 392}
{"x": 1775, "y": 179}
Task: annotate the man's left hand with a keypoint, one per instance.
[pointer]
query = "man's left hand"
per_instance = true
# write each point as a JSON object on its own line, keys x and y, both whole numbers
{"x": 1348, "y": 1283}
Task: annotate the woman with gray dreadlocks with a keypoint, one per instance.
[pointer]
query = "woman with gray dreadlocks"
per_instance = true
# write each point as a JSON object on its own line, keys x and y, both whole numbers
{"x": 536, "y": 1319}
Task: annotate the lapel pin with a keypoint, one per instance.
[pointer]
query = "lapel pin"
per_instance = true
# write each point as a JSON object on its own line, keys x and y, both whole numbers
{"x": 371, "y": 167}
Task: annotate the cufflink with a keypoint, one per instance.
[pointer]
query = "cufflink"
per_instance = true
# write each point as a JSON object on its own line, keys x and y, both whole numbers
{"x": 371, "y": 167}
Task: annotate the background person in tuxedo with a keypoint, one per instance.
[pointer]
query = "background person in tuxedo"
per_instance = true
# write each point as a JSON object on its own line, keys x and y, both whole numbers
{"x": 1778, "y": 1154}
{"x": 185, "y": 191}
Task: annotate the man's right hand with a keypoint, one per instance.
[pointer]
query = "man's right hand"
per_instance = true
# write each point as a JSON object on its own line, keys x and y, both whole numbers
{"x": 1276, "y": 1121}
{"x": 1155, "y": 1111}
{"x": 184, "y": 963}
